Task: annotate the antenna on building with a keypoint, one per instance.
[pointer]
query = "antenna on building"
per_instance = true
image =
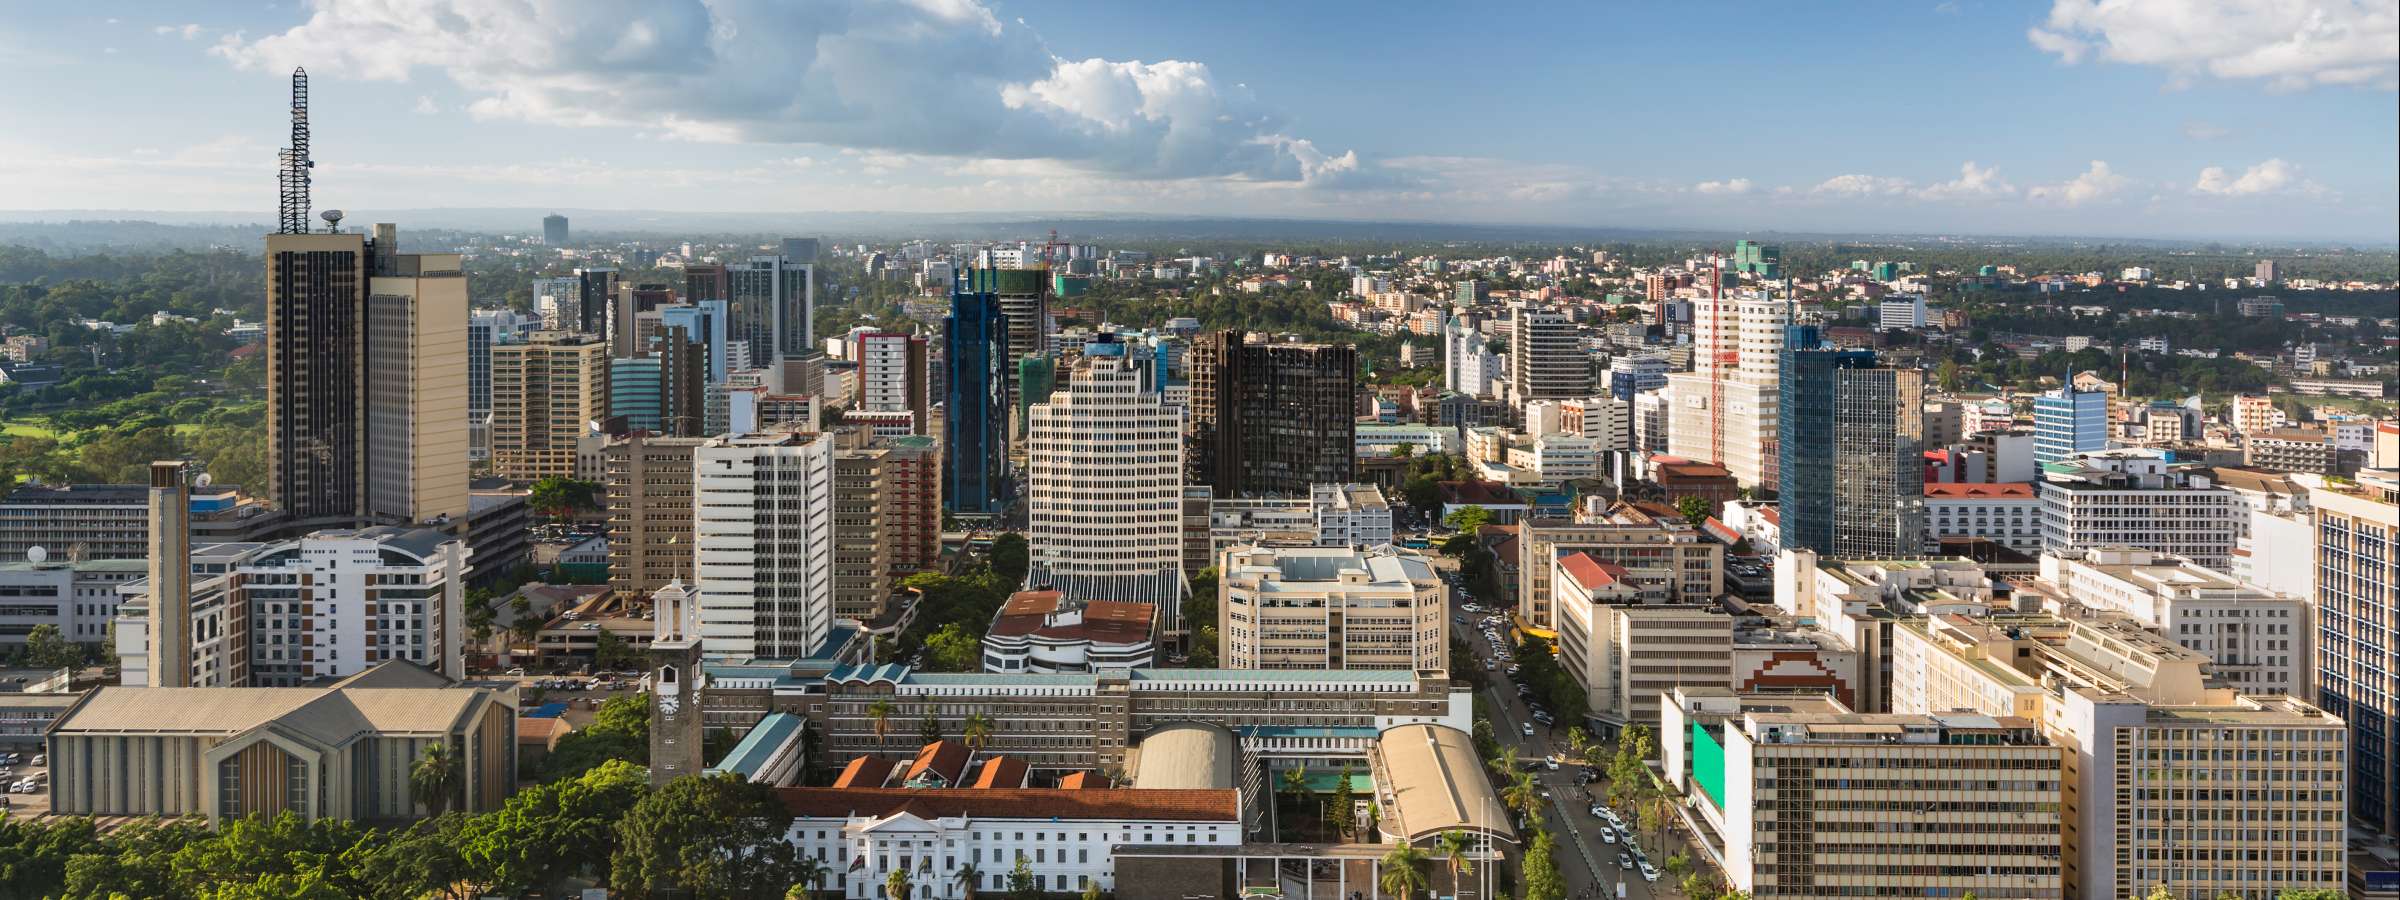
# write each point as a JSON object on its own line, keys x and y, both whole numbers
{"x": 293, "y": 181}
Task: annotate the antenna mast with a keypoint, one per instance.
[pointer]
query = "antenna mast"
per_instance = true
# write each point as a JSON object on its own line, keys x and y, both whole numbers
{"x": 292, "y": 182}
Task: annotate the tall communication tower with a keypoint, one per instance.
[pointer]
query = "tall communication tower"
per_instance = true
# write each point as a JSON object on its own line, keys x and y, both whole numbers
{"x": 293, "y": 180}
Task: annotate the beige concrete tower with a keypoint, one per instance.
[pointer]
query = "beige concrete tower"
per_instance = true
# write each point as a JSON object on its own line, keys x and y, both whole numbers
{"x": 416, "y": 389}
{"x": 170, "y": 657}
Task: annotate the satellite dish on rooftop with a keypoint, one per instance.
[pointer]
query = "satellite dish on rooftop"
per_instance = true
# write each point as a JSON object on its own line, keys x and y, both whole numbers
{"x": 332, "y": 217}
{"x": 204, "y": 480}
{"x": 37, "y": 555}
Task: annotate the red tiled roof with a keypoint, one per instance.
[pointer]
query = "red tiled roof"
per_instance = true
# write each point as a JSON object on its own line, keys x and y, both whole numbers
{"x": 862, "y": 770}
{"x": 1690, "y": 469}
{"x": 1180, "y": 805}
{"x": 1774, "y": 516}
{"x": 947, "y": 759}
{"x": 542, "y": 730}
{"x": 1959, "y": 490}
{"x": 1078, "y": 781}
{"x": 1483, "y": 493}
{"x": 1592, "y": 574}
{"x": 1001, "y": 772}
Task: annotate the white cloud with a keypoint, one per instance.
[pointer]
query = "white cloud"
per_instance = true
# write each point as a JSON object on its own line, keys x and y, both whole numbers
{"x": 942, "y": 78}
{"x": 187, "y": 32}
{"x": 425, "y": 106}
{"x": 2095, "y": 183}
{"x": 2265, "y": 178}
{"x": 1860, "y": 186}
{"x": 2289, "y": 44}
{"x": 1728, "y": 186}
{"x": 1972, "y": 184}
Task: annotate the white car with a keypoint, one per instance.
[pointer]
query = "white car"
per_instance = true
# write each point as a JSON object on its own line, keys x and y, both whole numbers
{"x": 1525, "y": 728}
{"x": 1608, "y": 836}
{"x": 1649, "y": 872}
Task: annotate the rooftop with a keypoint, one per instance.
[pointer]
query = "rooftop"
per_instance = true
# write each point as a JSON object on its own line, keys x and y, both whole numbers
{"x": 1951, "y": 490}
{"x": 1039, "y": 804}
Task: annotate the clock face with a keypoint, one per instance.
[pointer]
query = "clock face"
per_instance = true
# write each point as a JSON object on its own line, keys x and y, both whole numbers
{"x": 668, "y": 704}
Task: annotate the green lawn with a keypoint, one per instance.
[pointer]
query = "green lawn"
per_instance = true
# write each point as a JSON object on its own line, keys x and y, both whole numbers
{"x": 30, "y": 428}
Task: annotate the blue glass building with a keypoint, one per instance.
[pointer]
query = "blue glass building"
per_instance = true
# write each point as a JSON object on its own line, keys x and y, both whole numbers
{"x": 2068, "y": 421}
{"x": 976, "y": 407}
{"x": 1850, "y": 449}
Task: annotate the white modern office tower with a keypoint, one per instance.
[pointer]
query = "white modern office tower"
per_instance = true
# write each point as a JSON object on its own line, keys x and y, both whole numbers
{"x": 1104, "y": 488}
{"x": 763, "y": 558}
{"x": 1469, "y": 365}
{"x": 1546, "y": 360}
{"x": 1724, "y": 410}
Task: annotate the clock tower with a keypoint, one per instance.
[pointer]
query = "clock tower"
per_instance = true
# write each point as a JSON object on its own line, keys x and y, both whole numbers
{"x": 674, "y": 684}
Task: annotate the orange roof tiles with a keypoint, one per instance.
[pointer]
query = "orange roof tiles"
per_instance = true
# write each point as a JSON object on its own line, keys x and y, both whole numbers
{"x": 1956, "y": 490}
{"x": 1193, "y": 805}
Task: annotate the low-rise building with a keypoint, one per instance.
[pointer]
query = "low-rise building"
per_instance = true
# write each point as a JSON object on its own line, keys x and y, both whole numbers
{"x": 342, "y": 751}
{"x": 2257, "y": 641}
{"x": 1664, "y": 557}
{"x": 1331, "y": 608}
{"x": 2138, "y": 498}
{"x": 1625, "y": 654}
{"x": 2006, "y": 514}
{"x": 1045, "y": 632}
{"x": 2290, "y": 450}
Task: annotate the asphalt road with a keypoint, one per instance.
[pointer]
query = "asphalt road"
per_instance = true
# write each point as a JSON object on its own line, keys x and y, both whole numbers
{"x": 1589, "y": 862}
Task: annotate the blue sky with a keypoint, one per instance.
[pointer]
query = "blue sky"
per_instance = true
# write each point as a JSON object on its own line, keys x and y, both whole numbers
{"x": 2243, "y": 119}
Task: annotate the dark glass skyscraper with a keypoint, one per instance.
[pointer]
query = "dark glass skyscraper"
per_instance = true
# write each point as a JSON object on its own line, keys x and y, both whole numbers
{"x": 1271, "y": 418}
{"x": 976, "y": 405}
{"x": 1851, "y": 452}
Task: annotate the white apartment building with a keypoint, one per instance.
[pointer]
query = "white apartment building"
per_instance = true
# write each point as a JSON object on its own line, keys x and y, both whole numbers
{"x": 1626, "y": 655}
{"x": 336, "y": 603}
{"x": 1104, "y": 489}
{"x": 1650, "y": 421}
{"x": 1901, "y": 313}
{"x": 2133, "y": 498}
{"x": 2007, "y": 514}
{"x": 2255, "y": 414}
{"x": 2256, "y": 640}
{"x": 78, "y": 598}
{"x": 891, "y": 372}
{"x": 1331, "y": 608}
{"x": 1725, "y": 420}
{"x": 763, "y": 549}
{"x": 1350, "y": 515}
{"x": 1469, "y": 365}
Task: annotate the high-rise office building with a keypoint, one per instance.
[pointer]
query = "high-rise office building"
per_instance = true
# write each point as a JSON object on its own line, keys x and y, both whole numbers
{"x": 416, "y": 387}
{"x": 2067, "y": 422}
{"x": 554, "y": 230}
{"x": 2358, "y": 633}
{"x": 625, "y": 315}
{"x": 1271, "y": 418}
{"x": 1763, "y": 260}
{"x": 648, "y": 479}
{"x": 2138, "y": 498}
{"x": 773, "y": 302}
{"x": 1723, "y": 411}
{"x": 1851, "y": 453}
{"x": 485, "y": 328}
{"x": 366, "y": 380}
{"x": 764, "y": 526}
{"x": 1331, "y": 608}
{"x": 1112, "y": 536}
{"x": 665, "y": 392}
{"x": 975, "y": 404}
{"x": 546, "y": 392}
{"x": 887, "y": 519}
{"x": 703, "y": 282}
{"x": 704, "y": 323}
{"x": 1024, "y": 298}
{"x": 891, "y": 374}
{"x": 595, "y": 302}
{"x": 1546, "y": 360}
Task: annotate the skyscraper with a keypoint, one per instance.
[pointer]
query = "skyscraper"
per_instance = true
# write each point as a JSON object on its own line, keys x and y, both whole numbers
{"x": 774, "y": 301}
{"x": 2068, "y": 421}
{"x": 2358, "y": 633}
{"x": 625, "y": 314}
{"x": 891, "y": 374}
{"x": 975, "y": 404}
{"x": 649, "y": 486}
{"x": 595, "y": 294}
{"x": 1271, "y": 418}
{"x": 1545, "y": 358}
{"x": 554, "y": 230}
{"x": 366, "y": 380}
{"x": 1024, "y": 298}
{"x": 1851, "y": 453}
{"x": 1104, "y": 486}
{"x": 763, "y": 522}
{"x": 887, "y": 519}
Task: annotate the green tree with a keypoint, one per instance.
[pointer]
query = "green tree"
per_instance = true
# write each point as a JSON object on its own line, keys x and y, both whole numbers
{"x": 1696, "y": 886}
{"x": 1021, "y": 885}
{"x": 1010, "y": 557}
{"x": 976, "y": 733}
{"x": 1695, "y": 509}
{"x": 1091, "y": 890}
{"x": 1401, "y": 872}
{"x": 1467, "y": 519}
{"x": 879, "y": 714}
{"x": 548, "y": 833}
{"x": 1345, "y": 803}
{"x": 45, "y": 648}
{"x": 1543, "y": 881}
{"x": 559, "y": 498}
{"x": 713, "y": 835}
{"x": 620, "y": 730}
{"x": 434, "y": 778}
{"x": 953, "y": 649}
{"x": 2310, "y": 894}
{"x": 1404, "y": 450}
{"x": 611, "y": 653}
{"x": 1678, "y": 865}
{"x": 896, "y": 886}
{"x": 807, "y": 876}
{"x": 1523, "y": 794}
{"x": 929, "y": 728}
{"x": 969, "y": 878}
{"x": 1454, "y": 846}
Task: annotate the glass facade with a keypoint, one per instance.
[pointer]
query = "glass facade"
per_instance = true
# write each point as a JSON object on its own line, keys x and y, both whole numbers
{"x": 975, "y": 407}
{"x": 2067, "y": 421}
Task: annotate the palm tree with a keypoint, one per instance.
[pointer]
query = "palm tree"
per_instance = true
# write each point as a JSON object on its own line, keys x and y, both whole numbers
{"x": 1295, "y": 784}
{"x": 1454, "y": 846}
{"x": 1523, "y": 794}
{"x": 1579, "y": 741}
{"x": 807, "y": 875}
{"x": 1400, "y": 875}
{"x": 977, "y": 733}
{"x": 1507, "y": 762}
{"x": 968, "y": 878}
{"x": 897, "y": 887}
{"x": 435, "y": 777}
{"x": 880, "y": 712}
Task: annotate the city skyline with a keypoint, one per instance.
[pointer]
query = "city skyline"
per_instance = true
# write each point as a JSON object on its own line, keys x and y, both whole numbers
{"x": 2142, "y": 119}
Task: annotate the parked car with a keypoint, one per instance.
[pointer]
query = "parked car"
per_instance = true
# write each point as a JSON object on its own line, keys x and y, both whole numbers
{"x": 1624, "y": 862}
{"x": 1525, "y": 728}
